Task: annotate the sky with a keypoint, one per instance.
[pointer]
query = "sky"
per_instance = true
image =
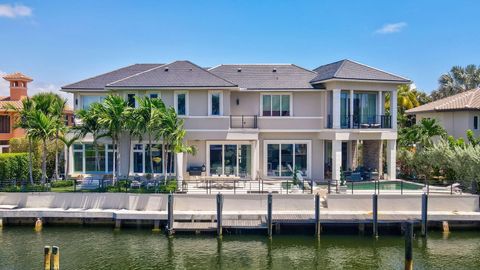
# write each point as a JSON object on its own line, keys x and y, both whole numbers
{"x": 61, "y": 42}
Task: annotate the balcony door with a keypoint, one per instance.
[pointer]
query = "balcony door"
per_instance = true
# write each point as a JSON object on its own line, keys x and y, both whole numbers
{"x": 230, "y": 159}
{"x": 365, "y": 108}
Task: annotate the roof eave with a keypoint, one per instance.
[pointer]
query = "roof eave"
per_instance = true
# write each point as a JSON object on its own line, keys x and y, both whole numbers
{"x": 406, "y": 81}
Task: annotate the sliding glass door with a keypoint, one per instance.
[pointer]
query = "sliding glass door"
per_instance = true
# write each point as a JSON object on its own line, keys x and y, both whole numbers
{"x": 230, "y": 159}
{"x": 365, "y": 108}
{"x": 283, "y": 159}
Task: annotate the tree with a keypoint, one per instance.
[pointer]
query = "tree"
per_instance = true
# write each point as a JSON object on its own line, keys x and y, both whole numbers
{"x": 407, "y": 98}
{"x": 111, "y": 116}
{"x": 421, "y": 133}
{"x": 458, "y": 80}
{"x": 57, "y": 108}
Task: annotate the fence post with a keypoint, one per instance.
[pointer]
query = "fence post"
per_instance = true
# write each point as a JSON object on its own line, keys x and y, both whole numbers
{"x": 317, "y": 215}
{"x": 329, "y": 186}
{"x": 269, "y": 214}
{"x": 311, "y": 186}
{"x": 408, "y": 246}
{"x": 170, "y": 214}
{"x": 401, "y": 187}
{"x": 219, "y": 213}
{"x": 375, "y": 214}
{"x": 424, "y": 214}
{"x": 352, "y": 186}
{"x": 287, "y": 186}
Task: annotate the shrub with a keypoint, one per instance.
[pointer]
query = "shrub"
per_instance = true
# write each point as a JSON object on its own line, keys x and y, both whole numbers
{"x": 14, "y": 166}
{"x": 170, "y": 186}
{"x": 62, "y": 183}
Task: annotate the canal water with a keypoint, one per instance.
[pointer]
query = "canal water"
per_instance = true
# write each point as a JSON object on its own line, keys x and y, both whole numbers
{"x": 102, "y": 248}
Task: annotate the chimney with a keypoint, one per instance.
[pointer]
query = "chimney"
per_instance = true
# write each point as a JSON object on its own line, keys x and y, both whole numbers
{"x": 18, "y": 85}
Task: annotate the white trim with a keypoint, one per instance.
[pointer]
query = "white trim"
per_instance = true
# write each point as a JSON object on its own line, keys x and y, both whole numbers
{"x": 276, "y": 94}
{"x": 223, "y": 143}
{"x": 290, "y": 117}
{"x": 175, "y": 101}
{"x": 357, "y": 80}
{"x": 210, "y": 93}
{"x": 265, "y": 155}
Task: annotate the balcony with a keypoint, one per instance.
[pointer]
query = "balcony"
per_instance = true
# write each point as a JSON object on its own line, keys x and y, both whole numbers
{"x": 362, "y": 121}
{"x": 243, "y": 121}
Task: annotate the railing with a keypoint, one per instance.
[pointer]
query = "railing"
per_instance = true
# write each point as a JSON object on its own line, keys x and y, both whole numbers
{"x": 362, "y": 121}
{"x": 243, "y": 121}
{"x": 243, "y": 186}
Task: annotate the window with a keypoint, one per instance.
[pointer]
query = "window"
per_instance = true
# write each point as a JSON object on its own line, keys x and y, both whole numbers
{"x": 276, "y": 105}
{"x": 153, "y": 95}
{"x": 141, "y": 159}
{"x": 230, "y": 159}
{"x": 475, "y": 122}
{"x": 364, "y": 108}
{"x": 215, "y": 103}
{"x": 181, "y": 103}
{"x": 88, "y": 100}
{"x": 283, "y": 159}
{"x": 131, "y": 100}
{"x": 85, "y": 158}
{"x": 4, "y": 124}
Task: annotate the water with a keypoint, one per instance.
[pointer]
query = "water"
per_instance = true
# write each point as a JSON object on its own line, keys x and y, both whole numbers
{"x": 102, "y": 248}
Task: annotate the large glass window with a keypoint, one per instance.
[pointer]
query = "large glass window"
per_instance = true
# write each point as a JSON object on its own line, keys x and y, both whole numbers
{"x": 86, "y": 152}
{"x": 276, "y": 105}
{"x": 156, "y": 160}
{"x": 216, "y": 165}
{"x": 131, "y": 100}
{"x": 141, "y": 159}
{"x": 181, "y": 103}
{"x": 284, "y": 159}
{"x": 138, "y": 158}
{"x": 88, "y": 100}
{"x": 230, "y": 159}
{"x": 215, "y": 103}
{"x": 365, "y": 108}
{"x": 345, "y": 109}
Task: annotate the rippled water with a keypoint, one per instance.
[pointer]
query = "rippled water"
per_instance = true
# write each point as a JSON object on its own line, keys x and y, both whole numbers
{"x": 102, "y": 248}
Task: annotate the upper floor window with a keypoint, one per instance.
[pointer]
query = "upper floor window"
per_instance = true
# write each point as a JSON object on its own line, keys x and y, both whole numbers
{"x": 475, "y": 122}
{"x": 131, "y": 100}
{"x": 4, "y": 124}
{"x": 215, "y": 103}
{"x": 181, "y": 103}
{"x": 153, "y": 95}
{"x": 276, "y": 105}
{"x": 88, "y": 100}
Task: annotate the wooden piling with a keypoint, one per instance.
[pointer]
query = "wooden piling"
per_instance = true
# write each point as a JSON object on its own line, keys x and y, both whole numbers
{"x": 219, "y": 213}
{"x": 38, "y": 225}
{"x": 118, "y": 224}
{"x": 1, "y": 223}
{"x": 269, "y": 214}
{"x": 170, "y": 215}
{"x": 317, "y": 215}
{"x": 47, "y": 252}
{"x": 446, "y": 227}
{"x": 361, "y": 228}
{"x": 424, "y": 214}
{"x": 375, "y": 214}
{"x": 408, "y": 246}
{"x": 55, "y": 258}
{"x": 156, "y": 226}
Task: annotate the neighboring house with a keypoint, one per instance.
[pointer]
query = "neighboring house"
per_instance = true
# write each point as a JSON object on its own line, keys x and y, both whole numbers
{"x": 257, "y": 120}
{"x": 8, "y": 117}
{"x": 456, "y": 113}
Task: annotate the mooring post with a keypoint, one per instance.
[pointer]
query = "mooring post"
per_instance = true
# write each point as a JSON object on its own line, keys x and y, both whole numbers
{"x": 1, "y": 223}
{"x": 170, "y": 214}
{"x": 118, "y": 224}
{"x": 408, "y": 246}
{"x": 317, "y": 215}
{"x": 446, "y": 227}
{"x": 55, "y": 258}
{"x": 424, "y": 214}
{"x": 219, "y": 213}
{"x": 156, "y": 226}
{"x": 375, "y": 214}
{"x": 38, "y": 225}
{"x": 269, "y": 214}
{"x": 47, "y": 252}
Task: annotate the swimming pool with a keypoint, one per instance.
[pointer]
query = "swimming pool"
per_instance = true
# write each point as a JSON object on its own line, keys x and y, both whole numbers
{"x": 385, "y": 185}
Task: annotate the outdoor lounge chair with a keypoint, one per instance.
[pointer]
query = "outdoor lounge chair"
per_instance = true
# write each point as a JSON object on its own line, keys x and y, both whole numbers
{"x": 454, "y": 188}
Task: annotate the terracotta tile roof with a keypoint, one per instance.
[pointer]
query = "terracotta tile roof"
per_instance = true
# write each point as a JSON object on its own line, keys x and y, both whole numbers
{"x": 18, "y": 104}
{"x": 468, "y": 100}
{"x": 17, "y": 76}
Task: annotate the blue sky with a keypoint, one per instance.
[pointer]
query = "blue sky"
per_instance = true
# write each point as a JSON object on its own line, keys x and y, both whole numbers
{"x": 59, "y": 42}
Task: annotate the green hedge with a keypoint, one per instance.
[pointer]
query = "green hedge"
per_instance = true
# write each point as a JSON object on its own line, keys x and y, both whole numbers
{"x": 14, "y": 166}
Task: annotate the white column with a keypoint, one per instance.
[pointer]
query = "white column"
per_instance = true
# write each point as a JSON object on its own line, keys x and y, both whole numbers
{"x": 393, "y": 108}
{"x": 379, "y": 111}
{"x": 179, "y": 169}
{"x": 351, "y": 108}
{"x": 336, "y": 160}
{"x": 255, "y": 159}
{"x": 336, "y": 108}
{"x": 392, "y": 159}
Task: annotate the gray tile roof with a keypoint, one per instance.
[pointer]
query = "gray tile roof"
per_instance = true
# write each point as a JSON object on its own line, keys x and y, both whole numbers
{"x": 348, "y": 69}
{"x": 176, "y": 74}
{"x": 100, "y": 81}
{"x": 468, "y": 100}
{"x": 266, "y": 76}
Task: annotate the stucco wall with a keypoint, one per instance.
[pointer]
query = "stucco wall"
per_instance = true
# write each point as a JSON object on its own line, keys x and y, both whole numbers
{"x": 455, "y": 122}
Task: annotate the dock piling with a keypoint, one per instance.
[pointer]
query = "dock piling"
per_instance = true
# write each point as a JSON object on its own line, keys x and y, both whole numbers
{"x": 424, "y": 214}
{"x": 375, "y": 214}
{"x": 38, "y": 225}
{"x": 446, "y": 227}
{"x": 408, "y": 246}
{"x": 47, "y": 252}
{"x": 317, "y": 215}
{"x": 170, "y": 214}
{"x": 156, "y": 226}
{"x": 219, "y": 213}
{"x": 118, "y": 224}
{"x": 55, "y": 258}
{"x": 1, "y": 223}
{"x": 269, "y": 214}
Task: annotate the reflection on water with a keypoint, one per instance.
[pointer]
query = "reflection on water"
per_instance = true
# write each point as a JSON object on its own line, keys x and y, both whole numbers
{"x": 102, "y": 248}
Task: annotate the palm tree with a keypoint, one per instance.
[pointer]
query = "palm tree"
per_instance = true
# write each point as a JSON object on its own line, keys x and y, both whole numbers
{"x": 133, "y": 125}
{"x": 150, "y": 113}
{"x": 57, "y": 108}
{"x": 423, "y": 132}
{"x": 68, "y": 142}
{"x": 407, "y": 98}
{"x": 111, "y": 116}
{"x": 44, "y": 128}
{"x": 90, "y": 125}
{"x": 458, "y": 80}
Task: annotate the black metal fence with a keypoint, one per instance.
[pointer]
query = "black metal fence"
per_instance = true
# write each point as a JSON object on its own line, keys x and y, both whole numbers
{"x": 362, "y": 121}
{"x": 243, "y": 121}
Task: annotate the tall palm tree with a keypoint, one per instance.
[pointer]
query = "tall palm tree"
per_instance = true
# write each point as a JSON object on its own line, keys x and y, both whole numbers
{"x": 458, "y": 80}
{"x": 150, "y": 113}
{"x": 42, "y": 127}
{"x": 134, "y": 126}
{"x": 57, "y": 108}
{"x": 111, "y": 116}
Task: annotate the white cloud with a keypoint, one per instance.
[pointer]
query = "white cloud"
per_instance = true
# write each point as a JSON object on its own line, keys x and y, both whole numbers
{"x": 14, "y": 11}
{"x": 391, "y": 28}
